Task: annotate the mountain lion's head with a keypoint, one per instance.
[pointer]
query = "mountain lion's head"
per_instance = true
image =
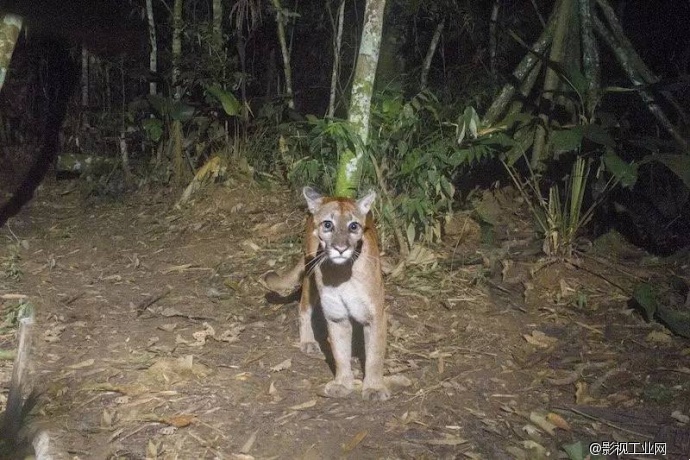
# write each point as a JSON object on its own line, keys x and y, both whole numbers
{"x": 339, "y": 223}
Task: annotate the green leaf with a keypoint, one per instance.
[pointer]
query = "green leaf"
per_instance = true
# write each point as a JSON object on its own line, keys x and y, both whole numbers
{"x": 566, "y": 140}
{"x": 624, "y": 172}
{"x": 180, "y": 111}
{"x": 677, "y": 321}
{"x": 448, "y": 188}
{"x": 458, "y": 157}
{"x": 153, "y": 127}
{"x": 646, "y": 298}
{"x": 678, "y": 164}
{"x": 599, "y": 135}
{"x": 578, "y": 451}
{"x": 230, "y": 104}
{"x": 410, "y": 234}
{"x": 577, "y": 79}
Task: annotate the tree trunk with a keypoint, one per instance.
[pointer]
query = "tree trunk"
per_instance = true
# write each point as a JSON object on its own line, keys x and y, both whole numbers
{"x": 430, "y": 53}
{"x": 10, "y": 26}
{"x": 84, "y": 80}
{"x": 521, "y": 71}
{"x": 350, "y": 163}
{"x": 217, "y": 24}
{"x": 153, "y": 44}
{"x": 391, "y": 62}
{"x": 628, "y": 62}
{"x": 590, "y": 58}
{"x": 493, "y": 39}
{"x": 177, "y": 47}
{"x": 280, "y": 20}
{"x": 178, "y": 160}
{"x": 337, "y": 43}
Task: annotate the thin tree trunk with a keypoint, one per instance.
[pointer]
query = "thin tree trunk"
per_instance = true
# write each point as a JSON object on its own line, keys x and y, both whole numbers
{"x": 522, "y": 70}
{"x": 124, "y": 157}
{"x": 84, "y": 81}
{"x": 629, "y": 66}
{"x": 337, "y": 43}
{"x": 178, "y": 159}
{"x": 551, "y": 80}
{"x": 430, "y": 53}
{"x": 536, "y": 11}
{"x": 242, "y": 53}
{"x": 217, "y": 24}
{"x": 153, "y": 44}
{"x": 350, "y": 163}
{"x": 177, "y": 47}
{"x": 590, "y": 58}
{"x": 617, "y": 29}
{"x": 493, "y": 38}
{"x": 108, "y": 89}
{"x": 10, "y": 26}
{"x": 280, "y": 20}
{"x": 638, "y": 64}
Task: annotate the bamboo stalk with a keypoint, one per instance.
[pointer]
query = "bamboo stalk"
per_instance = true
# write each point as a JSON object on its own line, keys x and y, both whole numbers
{"x": 551, "y": 80}
{"x": 528, "y": 62}
{"x": 627, "y": 62}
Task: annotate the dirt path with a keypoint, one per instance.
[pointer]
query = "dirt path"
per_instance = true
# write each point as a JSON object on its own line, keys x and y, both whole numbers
{"x": 155, "y": 340}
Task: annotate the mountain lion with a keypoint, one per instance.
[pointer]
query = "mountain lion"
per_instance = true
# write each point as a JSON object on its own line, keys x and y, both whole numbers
{"x": 341, "y": 257}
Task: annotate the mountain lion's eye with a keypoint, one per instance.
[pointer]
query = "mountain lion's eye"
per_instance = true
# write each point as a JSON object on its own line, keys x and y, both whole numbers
{"x": 327, "y": 225}
{"x": 354, "y": 226}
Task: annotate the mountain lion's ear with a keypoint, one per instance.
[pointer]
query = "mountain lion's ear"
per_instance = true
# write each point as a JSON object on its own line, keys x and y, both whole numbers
{"x": 364, "y": 203}
{"x": 314, "y": 199}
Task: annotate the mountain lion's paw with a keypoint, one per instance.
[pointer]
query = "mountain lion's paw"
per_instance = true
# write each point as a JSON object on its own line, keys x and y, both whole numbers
{"x": 310, "y": 348}
{"x": 334, "y": 389}
{"x": 377, "y": 393}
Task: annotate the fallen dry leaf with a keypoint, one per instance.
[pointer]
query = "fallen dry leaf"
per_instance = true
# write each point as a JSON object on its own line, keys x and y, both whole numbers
{"x": 83, "y": 364}
{"x": 541, "y": 421}
{"x": 53, "y": 334}
{"x": 249, "y": 443}
{"x": 558, "y": 421}
{"x": 582, "y": 393}
{"x": 179, "y": 421}
{"x": 680, "y": 417}
{"x": 354, "y": 442}
{"x": 659, "y": 337}
{"x": 539, "y": 339}
{"x": 447, "y": 441}
{"x": 287, "y": 364}
{"x": 306, "y": 405}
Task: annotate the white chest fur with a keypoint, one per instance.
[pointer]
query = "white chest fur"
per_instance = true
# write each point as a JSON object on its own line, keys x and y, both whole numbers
{"x": 348, "y": 299}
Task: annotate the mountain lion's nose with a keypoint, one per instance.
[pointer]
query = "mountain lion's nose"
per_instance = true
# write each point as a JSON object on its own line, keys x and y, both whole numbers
{"x": 340, "y": 248}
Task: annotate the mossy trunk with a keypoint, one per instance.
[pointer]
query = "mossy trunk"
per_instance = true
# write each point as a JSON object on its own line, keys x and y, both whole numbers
{"x": 10, "y": 26}
{"x": 350, "y": 163}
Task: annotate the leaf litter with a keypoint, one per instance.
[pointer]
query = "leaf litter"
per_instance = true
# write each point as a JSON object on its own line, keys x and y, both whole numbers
{"x": 472, "y": 360}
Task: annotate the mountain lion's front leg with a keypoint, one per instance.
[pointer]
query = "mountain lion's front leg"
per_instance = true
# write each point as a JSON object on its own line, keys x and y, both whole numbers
{"x": 375, "y": 349}
{"x": 340, "y": 337}
{"x": 307, "y": 342}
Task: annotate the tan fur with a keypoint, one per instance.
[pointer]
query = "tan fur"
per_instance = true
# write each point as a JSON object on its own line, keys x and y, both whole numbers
{"x": 343, "y": 263}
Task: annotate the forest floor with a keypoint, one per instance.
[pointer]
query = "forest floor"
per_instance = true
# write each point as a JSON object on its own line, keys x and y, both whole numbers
{"x": 154, "y": 338}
